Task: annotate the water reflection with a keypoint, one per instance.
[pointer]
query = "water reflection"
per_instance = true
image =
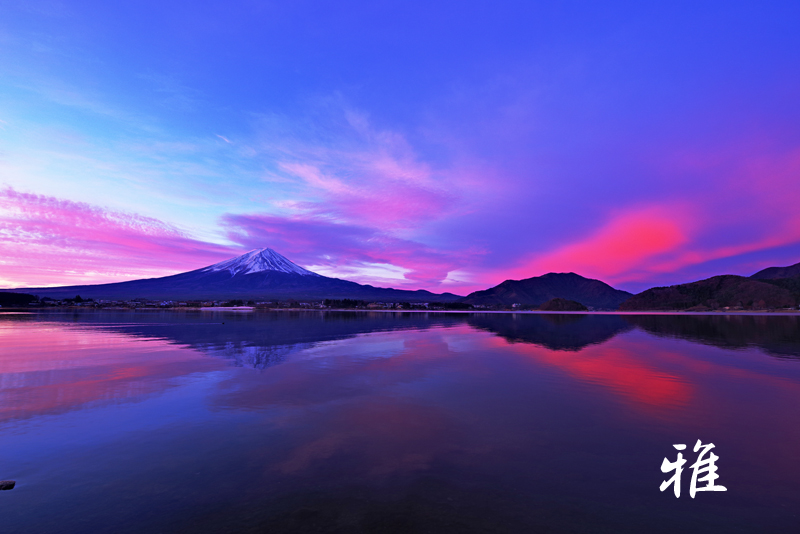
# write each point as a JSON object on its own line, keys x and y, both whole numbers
{"x": 777, "y": 335}
{"x": 248, "y": 339}
{"x": 263, "y": 339}
{"x": 46, "y": 369}
{"x": 237, "y": 333}
{"x": 309, "y": 422}
{"x": 555, "y": 331}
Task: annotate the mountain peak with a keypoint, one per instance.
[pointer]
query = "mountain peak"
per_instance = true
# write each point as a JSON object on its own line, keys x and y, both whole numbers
{"x": 771, "y": 273}
{"x": 259, "y": 260}
{"x": 540, "y": 289}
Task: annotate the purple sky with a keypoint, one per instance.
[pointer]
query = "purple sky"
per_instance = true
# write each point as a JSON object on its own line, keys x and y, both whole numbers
{"x": 446, "y": 146}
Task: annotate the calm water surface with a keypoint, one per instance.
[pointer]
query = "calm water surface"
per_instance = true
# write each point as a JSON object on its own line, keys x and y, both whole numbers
{"x": 375, "y": 422}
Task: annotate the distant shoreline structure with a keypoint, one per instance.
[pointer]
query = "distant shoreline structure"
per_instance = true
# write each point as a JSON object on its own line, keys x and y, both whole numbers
{"x": 253, "y": 309}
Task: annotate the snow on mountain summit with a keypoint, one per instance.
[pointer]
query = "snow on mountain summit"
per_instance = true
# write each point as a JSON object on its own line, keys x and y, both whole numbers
{"x": 256, "y": 261}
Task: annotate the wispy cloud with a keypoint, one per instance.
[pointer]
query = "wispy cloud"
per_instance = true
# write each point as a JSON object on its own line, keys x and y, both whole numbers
{"x": 48, "y": 241}
{"x": 340, "y": 249}
{"x": 357, "y": 174}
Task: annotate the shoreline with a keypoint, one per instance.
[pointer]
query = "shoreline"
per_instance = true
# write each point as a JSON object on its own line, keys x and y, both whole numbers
{"x": 251, "y": 309}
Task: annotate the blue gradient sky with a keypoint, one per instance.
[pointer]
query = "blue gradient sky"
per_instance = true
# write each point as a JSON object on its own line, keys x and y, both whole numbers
{"x": 446, "y": 146}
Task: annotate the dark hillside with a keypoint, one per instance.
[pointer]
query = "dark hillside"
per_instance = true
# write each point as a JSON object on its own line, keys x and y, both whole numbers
{"x": 714, "y": 293}
{"x": 538, "y": 290}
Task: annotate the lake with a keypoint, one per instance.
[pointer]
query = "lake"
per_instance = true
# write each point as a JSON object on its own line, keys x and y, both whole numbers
{"x": 197, "y": 421}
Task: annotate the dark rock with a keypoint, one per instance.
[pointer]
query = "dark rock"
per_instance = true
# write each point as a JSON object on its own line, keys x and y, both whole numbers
{"x": 15, "y": 299}
{"x": 559, "y": 304}
{"x": 7, "y": 484}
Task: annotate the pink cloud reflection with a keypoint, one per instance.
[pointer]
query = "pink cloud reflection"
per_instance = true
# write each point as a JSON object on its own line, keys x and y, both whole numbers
{"x": 50, "y": 369}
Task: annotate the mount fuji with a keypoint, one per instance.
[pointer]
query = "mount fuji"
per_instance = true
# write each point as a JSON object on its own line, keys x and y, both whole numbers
{"x": 260, "y": 274}
{"x": 257, "y": 261}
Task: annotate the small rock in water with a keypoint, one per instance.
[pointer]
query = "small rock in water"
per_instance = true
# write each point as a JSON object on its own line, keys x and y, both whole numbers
{"x": 7, "y": 484}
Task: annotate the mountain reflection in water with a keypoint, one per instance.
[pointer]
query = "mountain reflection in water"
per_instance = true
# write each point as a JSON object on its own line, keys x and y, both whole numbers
{"x": 163, "y": 421}
{"x": 262, "y": 339}
{"x": 777, "y": 335}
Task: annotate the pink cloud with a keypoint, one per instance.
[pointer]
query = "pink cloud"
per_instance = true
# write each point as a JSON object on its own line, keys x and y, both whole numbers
{"x": 370, "y": 200}
{"x": 627, "y": 243}
{"x": 790, "y": 233}
{"x": 642, "y": 245}
{"x": 49, "y": 241}
{"x": 380, "y": 191}
{"x": 746, "y": 206}
{"x": 364, "y": 176}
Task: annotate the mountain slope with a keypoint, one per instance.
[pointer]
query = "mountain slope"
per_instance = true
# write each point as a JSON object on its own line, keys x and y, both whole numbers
{"x": 257, "y": 275}
{"x": 772, "y": 273}
{"x": 713, "y": 293}
{"x": 540, "y": 289}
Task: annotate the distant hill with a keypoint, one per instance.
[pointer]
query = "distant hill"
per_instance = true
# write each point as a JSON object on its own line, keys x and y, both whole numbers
{"x": 772, "y": 273}
{"x": 261, "y": 274}
{"x": 771, "y": 288}
{"x": 538, "y": 290}
{"x": 714, "y": 293}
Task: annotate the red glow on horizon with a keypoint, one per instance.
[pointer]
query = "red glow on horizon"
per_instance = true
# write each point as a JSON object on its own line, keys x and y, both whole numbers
{"x": 627, "y": 243}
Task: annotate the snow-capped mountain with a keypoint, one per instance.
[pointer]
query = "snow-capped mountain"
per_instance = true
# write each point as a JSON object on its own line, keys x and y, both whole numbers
{"x": 256, "y": 261}
{"x": 259, "y": 275}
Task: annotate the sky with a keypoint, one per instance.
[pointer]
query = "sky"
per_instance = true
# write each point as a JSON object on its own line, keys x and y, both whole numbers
{"x": 440, "y": 145}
